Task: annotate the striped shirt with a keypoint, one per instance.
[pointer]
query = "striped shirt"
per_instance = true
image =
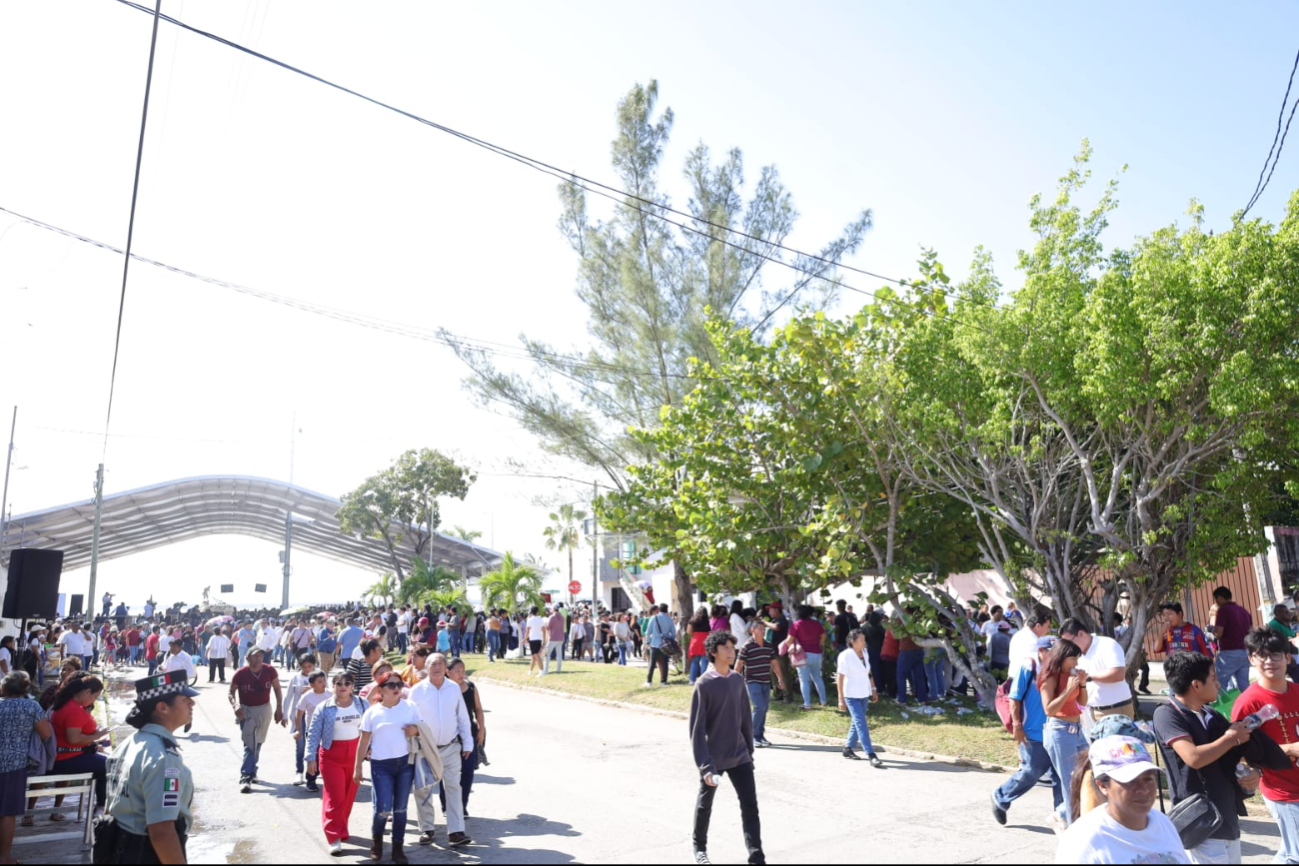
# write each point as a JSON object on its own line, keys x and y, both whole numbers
{"x": 757, "y": 662}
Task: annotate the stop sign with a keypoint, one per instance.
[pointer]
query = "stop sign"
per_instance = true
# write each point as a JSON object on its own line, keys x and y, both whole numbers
{"x": 574, "y": 588}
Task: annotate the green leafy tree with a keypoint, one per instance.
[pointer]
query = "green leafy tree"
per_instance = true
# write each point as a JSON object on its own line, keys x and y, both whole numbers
{"x": 1125, "y": 417}
{"x": 646, "y": 284}
{"x": 565, "y": 533}
{"x": 466, "y": 534}
{"x": 444, "y": 597}
{"x": 400, "y": 504}
{"x": 512, "y": 586}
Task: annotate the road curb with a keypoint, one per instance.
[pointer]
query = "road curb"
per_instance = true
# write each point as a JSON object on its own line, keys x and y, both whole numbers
{"x": 968, "y": 763}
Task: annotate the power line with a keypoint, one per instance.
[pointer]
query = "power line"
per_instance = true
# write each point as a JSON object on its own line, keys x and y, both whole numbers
{"x": 657, "y": 209}
{"x": 130, "y": 227}
{"x": 443, "y": 338}
{"x": 1262, "y": 184}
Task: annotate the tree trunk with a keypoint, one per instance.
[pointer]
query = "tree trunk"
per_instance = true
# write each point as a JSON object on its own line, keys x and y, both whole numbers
{"x": 683, "y": 592}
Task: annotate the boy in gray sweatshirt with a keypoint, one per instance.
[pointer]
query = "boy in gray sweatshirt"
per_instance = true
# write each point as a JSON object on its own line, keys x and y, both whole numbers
{"x": 721, "y": 732}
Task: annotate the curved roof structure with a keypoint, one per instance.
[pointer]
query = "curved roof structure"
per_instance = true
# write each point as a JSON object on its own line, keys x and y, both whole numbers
{"x": 163, "y": 514}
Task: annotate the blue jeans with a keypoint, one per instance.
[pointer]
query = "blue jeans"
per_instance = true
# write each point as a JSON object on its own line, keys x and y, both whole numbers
{"x": 1064, "y": 742}
{"x": 1287, "y": 821}
{"x": 760, "y": 700}
{"x": 859, "y": 732}
{"x": 455, "y": 643}
{"x": 698, "y": 664}
{"x": 1233, "y": 665}
{"x": 622, "y": 652}
{"x": 391, "y": 780}
{"x": 493, "y": 645}
{"x": 911, "y": 668}
{"x": 1034, "y": 763}
{"x": 809, "y": 675}
{"x": 936, "y": 675}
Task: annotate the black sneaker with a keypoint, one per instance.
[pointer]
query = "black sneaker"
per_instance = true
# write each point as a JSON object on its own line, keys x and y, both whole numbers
{"x": 245, "y": 787}
{"x": 702, "y": 857}
{"x": 998, "y": 812}
{"x": 482, "y": 757}
{"x": 851, "y": 755}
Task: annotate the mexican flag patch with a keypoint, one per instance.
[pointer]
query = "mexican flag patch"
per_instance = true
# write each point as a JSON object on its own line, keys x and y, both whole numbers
{"x": 170, "y": 785}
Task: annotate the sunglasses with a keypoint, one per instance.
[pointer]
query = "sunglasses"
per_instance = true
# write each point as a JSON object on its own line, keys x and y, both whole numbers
{"x": 342, "y": 685}
{"x": 391, "y": 686}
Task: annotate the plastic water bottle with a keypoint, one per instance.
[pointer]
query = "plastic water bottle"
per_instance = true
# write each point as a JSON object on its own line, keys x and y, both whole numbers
{"x": 1265, "y": 713}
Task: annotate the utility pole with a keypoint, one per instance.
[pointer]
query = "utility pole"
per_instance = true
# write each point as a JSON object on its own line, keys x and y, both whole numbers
{"x": 595, "y": 560}
{"x": 94, "y": 541}
{"x": 4, "y": 499}
{"x": 288, "y": 548}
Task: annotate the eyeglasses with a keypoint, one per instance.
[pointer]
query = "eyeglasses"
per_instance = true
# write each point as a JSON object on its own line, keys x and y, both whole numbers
{"x": 1274, "y": 658}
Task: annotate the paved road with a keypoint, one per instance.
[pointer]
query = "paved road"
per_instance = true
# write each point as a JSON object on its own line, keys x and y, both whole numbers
{"x": 576, "y": 782}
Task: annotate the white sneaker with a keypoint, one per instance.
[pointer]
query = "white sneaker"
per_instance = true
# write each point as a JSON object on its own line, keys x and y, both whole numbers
{"x": 300, "y": 780}
{"x": 336, "y": 849}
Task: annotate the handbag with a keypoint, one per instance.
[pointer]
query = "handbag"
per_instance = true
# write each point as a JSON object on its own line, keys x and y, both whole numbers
{"x": 1196, "y": 819}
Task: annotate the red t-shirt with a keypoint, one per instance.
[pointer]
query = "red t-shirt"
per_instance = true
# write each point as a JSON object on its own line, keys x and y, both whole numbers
{"x": 70, "y": 715}
{"x": 132, "y": 638}
{"x": 151, "y": 647}
{"x": 255, "y": 690}
{"x": 808, "y": 633}
{"x": 1278, "y": 785}
{"x": 889, "y": 652}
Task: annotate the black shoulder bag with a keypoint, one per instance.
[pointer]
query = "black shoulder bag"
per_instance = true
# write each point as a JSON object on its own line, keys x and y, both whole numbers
{"x": 1195, "y": 817}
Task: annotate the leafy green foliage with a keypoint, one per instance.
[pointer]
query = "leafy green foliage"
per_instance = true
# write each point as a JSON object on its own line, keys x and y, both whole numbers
{"x": 512, "y": 586}
{"x": 564, "y": 532}
{"x": 403, "y": 500}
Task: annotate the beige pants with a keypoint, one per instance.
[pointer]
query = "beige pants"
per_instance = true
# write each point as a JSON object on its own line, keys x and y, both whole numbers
{"x": 426, "y": 799}
{"x": 326, "y": 661}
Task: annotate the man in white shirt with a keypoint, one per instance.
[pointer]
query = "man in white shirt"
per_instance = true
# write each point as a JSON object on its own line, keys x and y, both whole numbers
{"x": 268, "y": 639}
{"x": 1024, "y": 644}
{"x": 74, "y": 643}
{"x": 218, "y": 650}
{"x": 1108, "y": 693}
{"x": 536, "y": 629}
{"x": 164, "y": 642}
{"x": 178, "y": 660}
{"x": 442, "y": 709}
{"x": 403, "y": 628}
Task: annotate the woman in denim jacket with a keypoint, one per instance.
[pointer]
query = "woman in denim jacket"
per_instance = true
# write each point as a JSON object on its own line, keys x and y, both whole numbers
{"x": 331, "y": 746}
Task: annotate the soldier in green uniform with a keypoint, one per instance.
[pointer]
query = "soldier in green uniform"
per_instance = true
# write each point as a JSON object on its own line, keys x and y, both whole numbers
{"x": 149, "y": 786}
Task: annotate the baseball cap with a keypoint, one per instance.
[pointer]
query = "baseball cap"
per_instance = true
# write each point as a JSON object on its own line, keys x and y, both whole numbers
{"x": 1047, "y": 641}
{"x": 254, "y": 651}
{"x": 1123, "y": 759}
{"x": 777, "y": 603}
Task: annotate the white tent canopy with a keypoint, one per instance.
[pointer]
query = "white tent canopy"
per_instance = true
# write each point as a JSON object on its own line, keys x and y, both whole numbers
{"x": 151, "y": 517}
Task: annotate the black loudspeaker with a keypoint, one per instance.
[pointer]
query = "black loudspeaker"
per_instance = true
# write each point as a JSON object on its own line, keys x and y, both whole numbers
{"x": 227, "y": 587}
{"x": 76, "y": 606}
{"x": 261, "y": 587}
{"x": 33, "y": 590}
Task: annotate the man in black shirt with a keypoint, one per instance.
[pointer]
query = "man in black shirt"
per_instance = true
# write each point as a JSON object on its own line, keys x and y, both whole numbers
{"x": 1202, "y": 749}
{"x": 844, "y": 622}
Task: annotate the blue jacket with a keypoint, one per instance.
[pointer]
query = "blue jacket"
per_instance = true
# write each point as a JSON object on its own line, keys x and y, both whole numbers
{"x": 321, "y": 735}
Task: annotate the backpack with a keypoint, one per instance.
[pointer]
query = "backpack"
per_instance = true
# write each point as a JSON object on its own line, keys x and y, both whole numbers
{"x": 1002, "y": 703}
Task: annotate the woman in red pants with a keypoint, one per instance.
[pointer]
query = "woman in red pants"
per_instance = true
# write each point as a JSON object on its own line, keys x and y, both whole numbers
{"x": 335, "y": 730}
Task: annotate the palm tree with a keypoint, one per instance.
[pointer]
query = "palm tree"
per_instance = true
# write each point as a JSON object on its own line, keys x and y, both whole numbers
{"x": 466, "y": 534}
{"x": 512, "y": 586}
{"x": 383, "y": 591}
{"x": 563, "y": 533}
{"x": 440, "y": 599}
{"x": 424, "y": 579}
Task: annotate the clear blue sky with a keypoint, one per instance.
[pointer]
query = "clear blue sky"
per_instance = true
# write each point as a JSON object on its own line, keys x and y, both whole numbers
{"x": 942, "y": 118}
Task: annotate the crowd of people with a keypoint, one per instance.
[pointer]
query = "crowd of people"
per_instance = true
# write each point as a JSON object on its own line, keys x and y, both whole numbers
{"x": 388, "y": 688}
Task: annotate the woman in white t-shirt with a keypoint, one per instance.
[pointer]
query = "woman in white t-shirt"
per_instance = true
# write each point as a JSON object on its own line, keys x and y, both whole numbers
{"x": 536, "y": 633}
{"x": 1127, "y": 828}
{"x": 7, "y": 655}
{"x": 384, "y": 729}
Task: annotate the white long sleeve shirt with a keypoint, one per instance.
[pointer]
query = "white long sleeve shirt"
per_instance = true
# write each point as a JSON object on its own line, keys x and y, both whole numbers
{"x": 181, "y": 661}
{"x": 443, "y": 710}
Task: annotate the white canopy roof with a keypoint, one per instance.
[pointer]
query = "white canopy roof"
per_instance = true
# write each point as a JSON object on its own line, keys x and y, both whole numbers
{"x": 151, "y": 517}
